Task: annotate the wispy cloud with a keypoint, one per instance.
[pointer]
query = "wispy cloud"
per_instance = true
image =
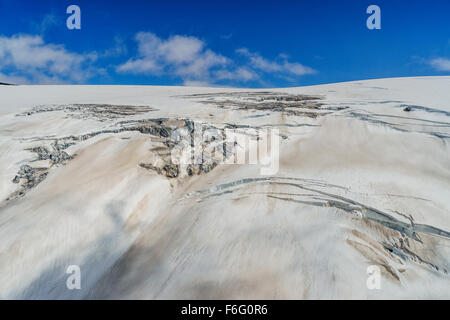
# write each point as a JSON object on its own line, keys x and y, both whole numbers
{"x": 239, "y": 74}
{"x": 226, "y": 36}
{"x": 12, "y": 79}
{"x": 119, "y": 49}
{"x": 48, "y": 21}
{"x": 440, "y": 64}
{"x": 29, "y": 59}
{"x": 283, "y": 67}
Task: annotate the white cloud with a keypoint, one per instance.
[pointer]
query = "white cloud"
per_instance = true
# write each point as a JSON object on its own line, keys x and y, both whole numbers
{"x": 283, "y": 67}
{"x": 29, "y": 57}
{"x": 188, "y": 58}
{"x": 240, "y": 74}
{"x": 440, "y": 64}
{"x": 181, "y": 56}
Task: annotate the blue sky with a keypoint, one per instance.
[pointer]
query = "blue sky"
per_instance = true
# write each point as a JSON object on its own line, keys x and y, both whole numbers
{"x": 221, "y": 43}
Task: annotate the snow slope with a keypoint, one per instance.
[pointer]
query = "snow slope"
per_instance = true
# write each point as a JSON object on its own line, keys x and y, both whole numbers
{"x": 363, "y": 179}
